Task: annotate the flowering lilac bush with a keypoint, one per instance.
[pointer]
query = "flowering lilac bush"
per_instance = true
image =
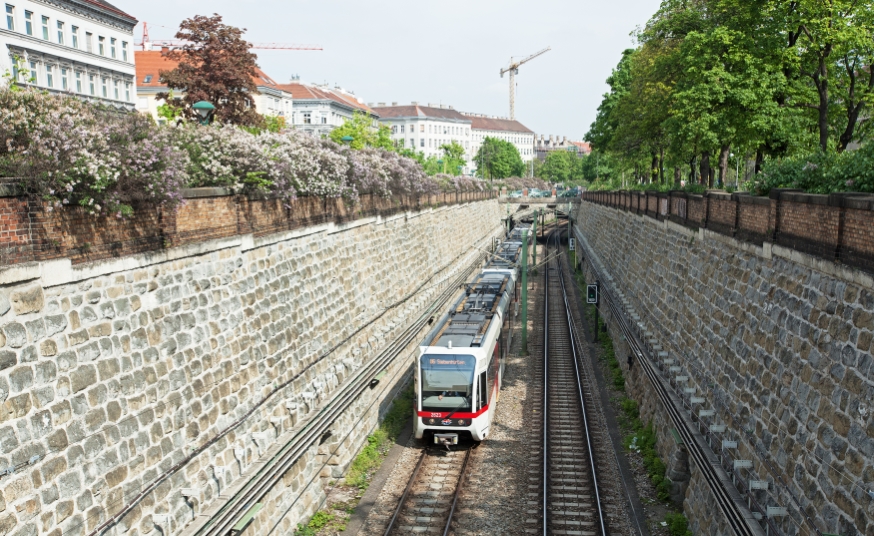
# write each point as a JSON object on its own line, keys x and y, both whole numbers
{"x": 71, "y": 152}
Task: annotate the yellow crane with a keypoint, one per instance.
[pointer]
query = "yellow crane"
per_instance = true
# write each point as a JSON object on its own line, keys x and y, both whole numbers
{"x": 513, "y": 69}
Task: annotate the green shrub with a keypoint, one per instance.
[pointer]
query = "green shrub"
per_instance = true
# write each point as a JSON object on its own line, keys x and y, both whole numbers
{"x": 678, "y": 525}
{"x": 820, "y": 172}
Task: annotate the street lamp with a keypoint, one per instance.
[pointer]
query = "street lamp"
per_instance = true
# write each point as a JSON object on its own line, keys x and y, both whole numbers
{"x": 347, "y": 140}
{"x": 442, "y": 164}
{"x": 205, "y": 110}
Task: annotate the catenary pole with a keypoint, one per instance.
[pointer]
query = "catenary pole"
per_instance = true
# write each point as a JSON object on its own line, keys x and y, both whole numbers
{"x": 524, "y": 292}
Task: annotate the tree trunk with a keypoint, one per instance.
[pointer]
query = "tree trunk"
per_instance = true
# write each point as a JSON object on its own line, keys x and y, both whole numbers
{"x": 654, "y": 169}
{"x": 678, "y": 176}
{"x": 706, "y": 175}
{"x": 662, "y": 166}
{"x": 760, "y": 158}
{"x": 692, "y": 171}
{"x": 723, "y": 164}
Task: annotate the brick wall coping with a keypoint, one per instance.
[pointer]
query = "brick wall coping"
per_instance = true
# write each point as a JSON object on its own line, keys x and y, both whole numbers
{"x": 856, "y": 200}
{"x": 206, "y": 191}
{"x": 62, "y": 271}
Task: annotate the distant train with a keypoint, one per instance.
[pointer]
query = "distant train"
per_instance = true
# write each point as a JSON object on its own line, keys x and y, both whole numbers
{"x": 461, "y": 362}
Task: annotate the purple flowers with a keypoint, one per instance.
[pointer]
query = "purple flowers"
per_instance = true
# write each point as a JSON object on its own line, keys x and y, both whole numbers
{"x": 71, "y": 152}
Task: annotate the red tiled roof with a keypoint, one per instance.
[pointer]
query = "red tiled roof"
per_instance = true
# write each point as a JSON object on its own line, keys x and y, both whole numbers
{"x": 415, "y": 110}
{"x": 488, "y": 123}
{"x": 585, "y": 147}
{"x": 152, "y": 62}
{"x": 307, "y": 92}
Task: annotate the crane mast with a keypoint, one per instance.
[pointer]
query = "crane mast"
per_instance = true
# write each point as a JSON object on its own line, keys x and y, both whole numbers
{"x": 513, "y": 69}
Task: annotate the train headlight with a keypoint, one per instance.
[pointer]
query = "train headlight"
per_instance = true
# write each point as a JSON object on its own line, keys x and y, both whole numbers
{"x": 461, "y": 422}
{"x": 432, "y": 421}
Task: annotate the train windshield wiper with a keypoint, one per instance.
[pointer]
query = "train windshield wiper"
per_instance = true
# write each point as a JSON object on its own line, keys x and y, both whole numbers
{"x": 453, "y": 412}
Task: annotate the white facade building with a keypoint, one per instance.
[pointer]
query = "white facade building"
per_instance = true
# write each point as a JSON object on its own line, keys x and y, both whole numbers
{"x": 484, "y": 126}
{"x": 83, "y": 47}
{"x": 270, "y": 100}
{"x": 318, "y": 110}
{"x": 426, "y": 128}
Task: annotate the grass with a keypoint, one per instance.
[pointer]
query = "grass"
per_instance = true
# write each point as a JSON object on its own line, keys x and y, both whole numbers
{"x": 363, "y": 467}
{"x": 378, "y": 443}
{"x": 678, "y": 525}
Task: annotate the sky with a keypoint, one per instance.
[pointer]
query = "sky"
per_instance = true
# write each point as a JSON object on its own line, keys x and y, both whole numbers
{"x": 447, "y": 52}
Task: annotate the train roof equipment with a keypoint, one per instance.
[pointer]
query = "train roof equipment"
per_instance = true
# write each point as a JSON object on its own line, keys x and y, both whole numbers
{"x": 468, "y": 322}
{"x": 506, "y": 257}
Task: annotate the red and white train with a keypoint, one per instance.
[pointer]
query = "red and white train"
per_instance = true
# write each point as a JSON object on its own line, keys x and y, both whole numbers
{"x": 461, "y": 362}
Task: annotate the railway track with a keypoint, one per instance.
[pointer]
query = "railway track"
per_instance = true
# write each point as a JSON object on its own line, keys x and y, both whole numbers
{"x": 570, "y": 497}
{"x": 429, "y": 501}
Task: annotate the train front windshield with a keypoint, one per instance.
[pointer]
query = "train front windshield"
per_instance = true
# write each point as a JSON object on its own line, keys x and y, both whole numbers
{"x": 447, "y": 382}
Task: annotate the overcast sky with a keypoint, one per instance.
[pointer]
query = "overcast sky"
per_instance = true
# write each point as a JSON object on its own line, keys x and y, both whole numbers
{"x": 447, "y": 51}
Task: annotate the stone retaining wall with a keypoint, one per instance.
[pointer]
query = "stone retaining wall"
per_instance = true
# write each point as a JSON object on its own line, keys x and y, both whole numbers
{"x": 113, "y": 372}
{"x": 777, "y": 342}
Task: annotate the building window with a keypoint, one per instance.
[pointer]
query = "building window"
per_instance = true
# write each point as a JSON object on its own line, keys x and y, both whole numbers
{"x": 402, "y": 129}
{"x": 422, "y": 142}
{"x": 10, "y": 17}
{"x": 33, "y": 77}
{"x": 28, "y": 23}
{"x": 50, "y": 79}
{"x": 89, "y": 42}
{"x": 104, "y": 88}
{"x": 421, "y": 128}
{"x": 101, "y": 45}
{"x": 45, "y": 28}
{"x": 115, "y": 89}
{"x": 74, "y": 36}
{"x": 394, "y": 129}
{"x": 91, "y": 83}
{"x": 63, "y": 78}
{"x": 324, "y": 120}
{"x": 124, "y": 51}
{"x": 147, "y": 79}
{"x": 78, "y": 81}
{"x": 60, "y": 32}
{"x": 127, "y": 91}
{"x": 112, "y": 47}
{"x": 307, "y": 118}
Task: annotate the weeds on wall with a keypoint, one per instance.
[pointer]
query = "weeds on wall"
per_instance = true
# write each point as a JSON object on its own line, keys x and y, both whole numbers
{"x": 643, "y": 441}
{"x": 678, "y": 525}
{"x": 333, "y": 518}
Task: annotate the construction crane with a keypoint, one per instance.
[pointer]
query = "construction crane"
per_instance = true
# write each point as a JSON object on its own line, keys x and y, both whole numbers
{"x": 147, "y": 44}
{"x": 513, "y": 69}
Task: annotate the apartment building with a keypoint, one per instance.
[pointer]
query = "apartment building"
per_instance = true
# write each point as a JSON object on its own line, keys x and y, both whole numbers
{"x": 425, "y": 128}
{"x": 485, "y": 126}
{"x": 81, "y": 47}
{"x": 319, "y": 109}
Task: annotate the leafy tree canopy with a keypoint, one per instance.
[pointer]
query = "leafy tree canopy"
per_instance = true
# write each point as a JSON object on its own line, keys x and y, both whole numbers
{"x": 498, "y": 159}
{"x": 363, "y": 133}
{"x": 214, "y": 65}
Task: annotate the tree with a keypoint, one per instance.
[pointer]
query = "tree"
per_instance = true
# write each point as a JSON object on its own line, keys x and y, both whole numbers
{"x": 214, "y": 65}
{"x": 498, "y": 159}
{"x": 453, "y": 158}
{"x": 361, "y": 129}
{"x": 558, "y": 166}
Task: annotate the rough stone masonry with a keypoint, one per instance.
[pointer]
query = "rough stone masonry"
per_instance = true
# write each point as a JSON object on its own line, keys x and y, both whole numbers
{"x": 112, "y": 372}
{"x": 777, "y": 342}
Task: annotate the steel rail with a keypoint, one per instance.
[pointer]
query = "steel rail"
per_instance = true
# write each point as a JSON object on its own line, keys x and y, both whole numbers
{"x": 740, "y": 523}
{"x": 403, "y": 499}
{"x": 260, "y": 483}
{"x": 455, "y": 495}
{"x": 545, "y": 400}
{"x": 574, "y": 343}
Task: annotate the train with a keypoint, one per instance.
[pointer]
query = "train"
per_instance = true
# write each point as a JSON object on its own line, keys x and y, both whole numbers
{"x": 460, "y": 364}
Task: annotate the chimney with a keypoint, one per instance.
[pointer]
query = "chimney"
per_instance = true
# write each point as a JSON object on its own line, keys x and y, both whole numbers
{"x": 370, "y": 105}
{"x": 564, "y": 141}
{"x": 415, "y": 103}
{"x": 394, "y": 104}
{"x": 164, "y": 48}
{"x": 551, "y": 140}
{"x": 381, "y": 104}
